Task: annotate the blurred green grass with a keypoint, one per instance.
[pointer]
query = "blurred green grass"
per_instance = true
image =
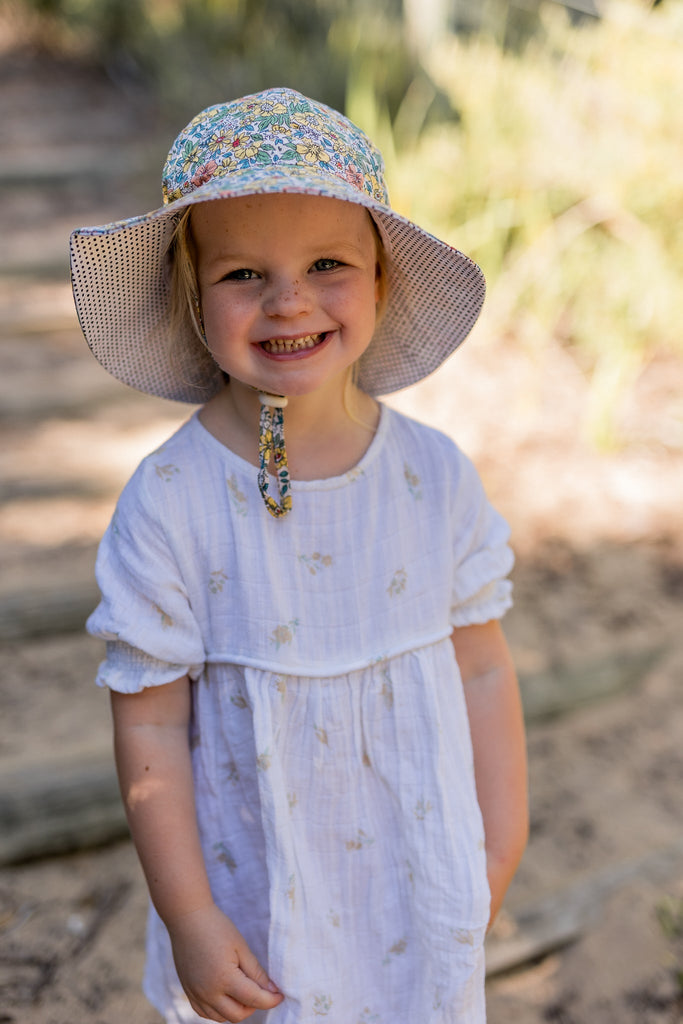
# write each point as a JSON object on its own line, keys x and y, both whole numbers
{"x": 550, "y": 151}
{"x": 564, "y": 180}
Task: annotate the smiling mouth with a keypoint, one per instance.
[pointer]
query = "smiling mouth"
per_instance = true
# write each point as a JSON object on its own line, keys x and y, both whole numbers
{"x": 276, "y": 346}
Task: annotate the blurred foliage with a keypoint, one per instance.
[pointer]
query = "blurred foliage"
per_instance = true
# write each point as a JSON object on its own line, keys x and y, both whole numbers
{"x": 563, "y": 178}
{"x": 669, "y": 914}
{"x": 189, "y": 52}
{"x": 545, "y": 142}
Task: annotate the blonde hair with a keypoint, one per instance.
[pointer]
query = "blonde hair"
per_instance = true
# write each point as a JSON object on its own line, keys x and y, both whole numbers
{"x": 185, "y": 308}
{"x": 189, "y": 355}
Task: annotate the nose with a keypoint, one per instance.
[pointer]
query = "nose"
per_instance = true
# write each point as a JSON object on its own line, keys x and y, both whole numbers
{"x": 287, "y": 297}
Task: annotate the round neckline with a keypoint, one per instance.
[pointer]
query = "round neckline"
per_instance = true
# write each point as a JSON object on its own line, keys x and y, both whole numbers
{"x": 323, "y": 483}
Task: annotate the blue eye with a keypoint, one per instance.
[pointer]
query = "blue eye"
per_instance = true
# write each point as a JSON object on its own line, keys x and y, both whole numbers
{"x": 326, "y": 264}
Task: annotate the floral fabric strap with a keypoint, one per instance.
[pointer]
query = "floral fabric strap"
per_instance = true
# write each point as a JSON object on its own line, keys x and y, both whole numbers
{"x": 271, "y": 445}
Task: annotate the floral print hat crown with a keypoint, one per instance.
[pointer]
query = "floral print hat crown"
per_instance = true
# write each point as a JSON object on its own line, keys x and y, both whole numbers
{"x": 272, "y": 142}
{"x": 276, "y": 131}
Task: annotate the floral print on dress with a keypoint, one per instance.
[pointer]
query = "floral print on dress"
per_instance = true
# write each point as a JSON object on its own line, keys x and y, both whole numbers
{"x": 166, "y": 620}
{"x": 321, "y": 734}
{"x": 422, "y": 808}
{"x": 361, "y": 840}
{"x": 316, "y": 562}
{"x": 463, "y": 936}
{"x": 398, "y": 583}
{"x": 387, "y": 691}
{"x": 263, "y": 760}
{"x": 224, "y": 856}
{"x": 291, "y": 891}
{"x": 368, "y": 1017}
{"x": 280, "y": 687}
{"x": 333, "y": 918}
{"x": 284, "y": 634}
{"x": 217, "y": 580}
{"x": 411, "y": 874}
{"x": 353, "y": 475}
{"x": 322, "y": 1004}
{"x": 166, "y": 472}
{"x": 398, "y": 949}
{"x": 413, "y": 481}
{"x": 238, "y": 499}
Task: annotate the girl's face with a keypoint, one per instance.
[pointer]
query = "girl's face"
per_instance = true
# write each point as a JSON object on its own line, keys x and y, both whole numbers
{"x": 289, "y": 287}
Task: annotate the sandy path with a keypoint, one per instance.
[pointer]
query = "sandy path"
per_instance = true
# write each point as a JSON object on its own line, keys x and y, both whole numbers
{"x": 598, "y": 583}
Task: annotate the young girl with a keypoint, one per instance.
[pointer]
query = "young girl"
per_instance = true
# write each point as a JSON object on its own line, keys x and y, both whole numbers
{"x": 317, "y": 725}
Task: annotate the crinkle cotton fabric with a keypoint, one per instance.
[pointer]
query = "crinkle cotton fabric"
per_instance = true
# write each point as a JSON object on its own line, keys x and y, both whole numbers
{"x": 331, "y": 751}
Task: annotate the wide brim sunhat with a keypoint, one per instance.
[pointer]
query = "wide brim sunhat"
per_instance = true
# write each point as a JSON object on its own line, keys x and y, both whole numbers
{"x": 276, "y": 141}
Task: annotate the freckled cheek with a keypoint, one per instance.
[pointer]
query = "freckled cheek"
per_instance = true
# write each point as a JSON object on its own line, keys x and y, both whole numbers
{"x": 227, "y": 318}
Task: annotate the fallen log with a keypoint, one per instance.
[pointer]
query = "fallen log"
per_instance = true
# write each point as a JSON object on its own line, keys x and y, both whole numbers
{"x": 553, "y": 921}
{"x": 73, "y": 803}
{"x": 43, "y": 611}
{"x": 40, "y": 612}
{"x": 31, "y": 489}
{"x": 66, "y": 804}
{"x": 556, "y": 691}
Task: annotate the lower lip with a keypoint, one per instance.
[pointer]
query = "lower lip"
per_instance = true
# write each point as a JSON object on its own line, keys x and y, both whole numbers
{"x": 301, "y": 353}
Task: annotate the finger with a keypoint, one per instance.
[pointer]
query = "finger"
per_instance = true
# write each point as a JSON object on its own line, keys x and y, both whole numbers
{"x": 253, "y": 970}
{"x": 228, "y": 1009}
{"x": 249, "y": 993}
{"x": 221, "y": 1007}
{"x": 222, "y": 1010}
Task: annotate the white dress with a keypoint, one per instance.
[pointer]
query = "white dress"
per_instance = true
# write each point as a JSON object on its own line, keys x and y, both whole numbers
{"x": 331, "y": 749}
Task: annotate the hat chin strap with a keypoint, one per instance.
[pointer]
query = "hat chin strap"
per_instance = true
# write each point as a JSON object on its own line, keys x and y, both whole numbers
{"x": 271, "y": 446}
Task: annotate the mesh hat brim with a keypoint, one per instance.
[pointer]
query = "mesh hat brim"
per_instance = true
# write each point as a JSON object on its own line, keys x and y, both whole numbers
{"x": 121, "y": 290}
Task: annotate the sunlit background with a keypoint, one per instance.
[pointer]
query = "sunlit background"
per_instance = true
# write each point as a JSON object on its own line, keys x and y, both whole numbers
{"x": 543, "y": 138}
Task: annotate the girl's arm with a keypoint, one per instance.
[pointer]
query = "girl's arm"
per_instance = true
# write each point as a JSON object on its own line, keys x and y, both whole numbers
{"x": 497, "y": 729}
{"x": 220, "y": 975}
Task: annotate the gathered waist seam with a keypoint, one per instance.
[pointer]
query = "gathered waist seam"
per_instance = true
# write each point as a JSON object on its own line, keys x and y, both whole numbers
{"x": 326, "y": 671}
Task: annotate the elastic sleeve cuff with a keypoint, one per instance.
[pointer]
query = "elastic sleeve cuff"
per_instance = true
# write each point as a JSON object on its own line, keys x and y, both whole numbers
{"x": 129, "y": 670}
{"x": 491, "y": 602}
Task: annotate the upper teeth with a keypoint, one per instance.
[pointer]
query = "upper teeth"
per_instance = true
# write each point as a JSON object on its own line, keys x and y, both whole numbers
{"x": 291, "y": 344}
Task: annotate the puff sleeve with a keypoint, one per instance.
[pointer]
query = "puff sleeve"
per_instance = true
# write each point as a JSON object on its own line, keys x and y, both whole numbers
{"x": 482, "y": 556}
{"x": 144, "y": 615}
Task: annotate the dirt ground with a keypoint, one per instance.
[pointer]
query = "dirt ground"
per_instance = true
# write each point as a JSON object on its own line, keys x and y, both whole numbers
{"x": 598, "y": 585}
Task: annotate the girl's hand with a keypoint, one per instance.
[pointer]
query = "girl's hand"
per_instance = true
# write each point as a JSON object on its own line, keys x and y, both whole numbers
{"x": 220, "y": 975}
{"x": 222, "y": 978}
